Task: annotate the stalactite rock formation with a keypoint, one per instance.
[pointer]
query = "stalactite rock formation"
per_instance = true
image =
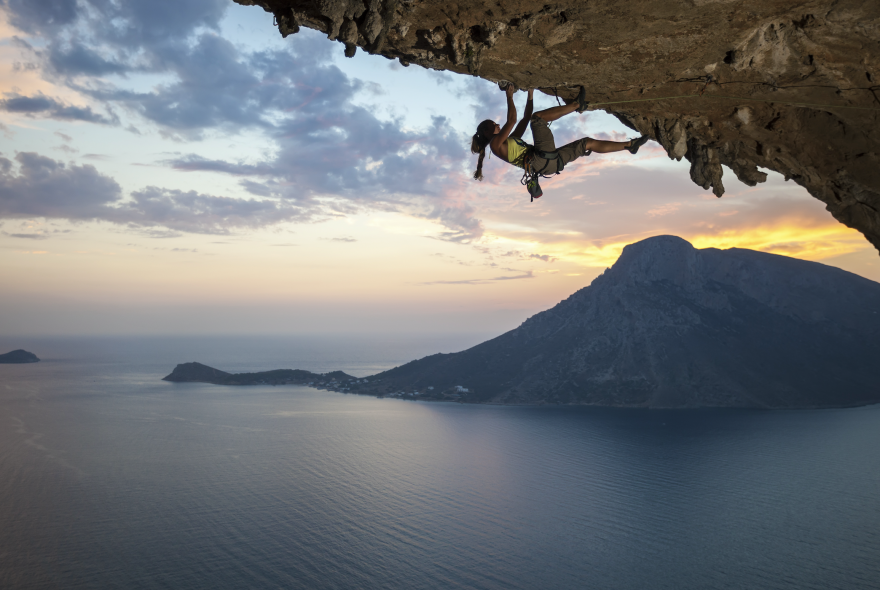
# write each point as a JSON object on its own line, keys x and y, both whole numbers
{"x": 790, "y": 86}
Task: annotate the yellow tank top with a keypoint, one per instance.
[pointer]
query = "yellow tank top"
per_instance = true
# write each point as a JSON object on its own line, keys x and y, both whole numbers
{"x": 516, "y": 149}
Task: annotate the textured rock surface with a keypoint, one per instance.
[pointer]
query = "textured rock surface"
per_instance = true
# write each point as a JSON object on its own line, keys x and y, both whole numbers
{"x": 671, "y": 326}
{"x": 821, "y": 55}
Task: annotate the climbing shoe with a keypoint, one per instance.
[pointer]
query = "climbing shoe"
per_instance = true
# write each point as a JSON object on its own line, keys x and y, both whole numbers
{"x": 637, "y": 143}
{"x": 582, "y": 101}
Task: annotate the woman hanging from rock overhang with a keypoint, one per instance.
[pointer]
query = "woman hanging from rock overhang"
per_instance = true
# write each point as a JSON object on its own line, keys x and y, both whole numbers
{"x": 542, "y": 159}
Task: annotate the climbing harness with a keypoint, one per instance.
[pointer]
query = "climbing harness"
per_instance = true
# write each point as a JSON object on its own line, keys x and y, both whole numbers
{"x": 531, "y": 176}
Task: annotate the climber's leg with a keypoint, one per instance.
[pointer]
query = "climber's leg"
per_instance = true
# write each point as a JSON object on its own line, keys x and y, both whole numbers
{"x": 554, "y": 113}
{"x": 574, "y": 150}
{"x": 541, "y": 134}
{"x": 606, "y": 147}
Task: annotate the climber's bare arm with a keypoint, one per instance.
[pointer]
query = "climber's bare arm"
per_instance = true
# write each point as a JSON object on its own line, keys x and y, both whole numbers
{"x": 499, "y": 141}
{"x": 527, "y": 116}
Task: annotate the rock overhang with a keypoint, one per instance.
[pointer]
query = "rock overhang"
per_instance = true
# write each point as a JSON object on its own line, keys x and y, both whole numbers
{"x": 748, "y": 84}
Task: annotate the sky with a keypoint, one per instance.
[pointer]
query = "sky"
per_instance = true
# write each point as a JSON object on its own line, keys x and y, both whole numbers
{"x": 176, "y": 167}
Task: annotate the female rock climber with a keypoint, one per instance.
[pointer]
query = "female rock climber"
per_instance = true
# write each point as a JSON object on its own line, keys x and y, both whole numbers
{"x": 543, "y": 158}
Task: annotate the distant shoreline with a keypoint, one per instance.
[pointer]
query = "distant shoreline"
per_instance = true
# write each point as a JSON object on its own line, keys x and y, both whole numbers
{"x": 340, "y": 382}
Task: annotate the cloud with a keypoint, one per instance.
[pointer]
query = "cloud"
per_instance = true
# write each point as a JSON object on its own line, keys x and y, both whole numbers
{"x": 215, "y": 87}
{"x": 196, "y": 163}
{"x": 664, "y": 209}
{"x": 37, "y": 186}
{"x": 345, "y": 240}
{"x": 33, "y": 16}
{"x": 27, "y": 236}
{"x": 199, "y": 213}
{"x": 130, "y": 25}
{"x": 49, "y": 107}
{"x": 527, "y": 275}
{"x": 346, "y": 152}
{"x": 257, "y": 188}
{"x": 47, "y": 188}
{"x": 463, "y": 226}
{"x": 326, "y": 147}
{"x": 601, "y": 203}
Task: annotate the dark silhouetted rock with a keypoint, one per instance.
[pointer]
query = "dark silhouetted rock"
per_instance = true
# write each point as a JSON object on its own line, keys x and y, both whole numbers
{"x": 199, "y": 373}
{"x": 17, "y": 357}
{"x": 670, "y": 326}
{"x": 196, "y": 372}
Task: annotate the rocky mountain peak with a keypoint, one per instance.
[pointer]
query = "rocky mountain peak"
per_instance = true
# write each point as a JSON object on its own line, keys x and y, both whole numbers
{"x": 660, "y": 258}
{"x": 669, "y": 325}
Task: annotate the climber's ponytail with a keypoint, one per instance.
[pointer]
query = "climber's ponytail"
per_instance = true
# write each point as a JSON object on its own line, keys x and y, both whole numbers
{"x": 479, "y": 147}
{"x": 479, "y": 142}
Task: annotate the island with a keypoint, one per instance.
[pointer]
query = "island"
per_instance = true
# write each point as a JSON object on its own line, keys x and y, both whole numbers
{"x": 199, "y": 373}
{"x": 673, "y": 326}
{"x": 667, "y": 326}
{"x": 337, "y": 381}
{"x": 18, "y": 357}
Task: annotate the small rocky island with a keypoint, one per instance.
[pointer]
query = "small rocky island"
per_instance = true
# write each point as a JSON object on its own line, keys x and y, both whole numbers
{"x": 18, "y": 357}
{"x": 199, "y": 373}
{"x": 668, "y": 326}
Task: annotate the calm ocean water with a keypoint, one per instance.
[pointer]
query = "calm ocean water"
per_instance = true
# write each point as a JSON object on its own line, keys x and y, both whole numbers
{"x": 111, "y": 478}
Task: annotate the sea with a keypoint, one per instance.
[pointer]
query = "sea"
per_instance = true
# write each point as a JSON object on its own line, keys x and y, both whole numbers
{"x": 113, "y": 478}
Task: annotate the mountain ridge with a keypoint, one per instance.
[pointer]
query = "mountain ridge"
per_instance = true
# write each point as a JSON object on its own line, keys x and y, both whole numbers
{"x": 672, "y": 326}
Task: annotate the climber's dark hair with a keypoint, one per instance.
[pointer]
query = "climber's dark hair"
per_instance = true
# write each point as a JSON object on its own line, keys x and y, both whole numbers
{"x": 485, "y": 131}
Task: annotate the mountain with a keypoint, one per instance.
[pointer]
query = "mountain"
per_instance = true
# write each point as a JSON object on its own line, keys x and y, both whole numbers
{"x": 199, "y": 373}
{"x": 18, "y": 356}
{"x": 670, "y": 326}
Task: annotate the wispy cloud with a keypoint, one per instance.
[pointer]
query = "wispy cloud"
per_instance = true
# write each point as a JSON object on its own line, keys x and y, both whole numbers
{"x": 27, "y": 236}
{"x": 44, "y": 106}
{"x": 527, "y": 275}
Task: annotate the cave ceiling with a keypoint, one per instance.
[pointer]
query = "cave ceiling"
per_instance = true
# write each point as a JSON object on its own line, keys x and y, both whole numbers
{"x": 775, "y": 84}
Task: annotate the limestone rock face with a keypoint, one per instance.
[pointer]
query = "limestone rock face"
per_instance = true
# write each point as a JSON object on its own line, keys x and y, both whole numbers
{"x": 670, "y": 326}
{"x": 786, "y": 85}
